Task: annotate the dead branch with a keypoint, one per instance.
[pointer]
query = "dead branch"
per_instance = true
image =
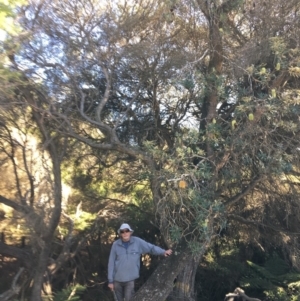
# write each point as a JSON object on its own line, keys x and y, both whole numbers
{"x": 239, "y": 293}
{"x": 14, "y": 290}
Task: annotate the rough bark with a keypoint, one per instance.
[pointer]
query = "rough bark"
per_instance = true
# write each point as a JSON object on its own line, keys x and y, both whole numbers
{"x": 41, "y": 267}
{"x": 52, "y": 145}
{"x": 161, "y": 282}
{"x": 185, "y": 282}
{"x": 211, "y": 99}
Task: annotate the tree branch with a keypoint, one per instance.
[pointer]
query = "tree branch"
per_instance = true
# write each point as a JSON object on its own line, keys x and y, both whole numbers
{"x": 240, "y": 195}
{"x": 20, "y": 208}
{"x": 106, "y": 95}
{"x": 14, "y": 252}
{"x": 256, "y": 223}
{"x": 14, "y": 290}
{"x": 238, "y": 292}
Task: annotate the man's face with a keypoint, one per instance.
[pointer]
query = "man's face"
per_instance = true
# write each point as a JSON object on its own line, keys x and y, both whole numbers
{"x": 125, "y": 234}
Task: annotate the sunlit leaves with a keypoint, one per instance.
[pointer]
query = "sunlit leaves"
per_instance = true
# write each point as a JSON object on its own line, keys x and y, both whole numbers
{"x": 84, "y": 220}
{"x": 278, "y": 46}
{"x": 7, "y": 14}
{"x": 294, "y": 71}
{"x": 291, "y": 97}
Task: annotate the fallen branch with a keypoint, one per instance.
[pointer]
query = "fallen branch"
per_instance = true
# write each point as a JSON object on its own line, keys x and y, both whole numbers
{"x": 14, "y": 290}
{"x": 240, "y": 295}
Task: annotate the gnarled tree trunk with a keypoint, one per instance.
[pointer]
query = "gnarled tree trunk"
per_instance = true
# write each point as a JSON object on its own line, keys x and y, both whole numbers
{"x": 185, "y": 282}
{"x": 179, "y": 267}
{"x": 161, "y": 282}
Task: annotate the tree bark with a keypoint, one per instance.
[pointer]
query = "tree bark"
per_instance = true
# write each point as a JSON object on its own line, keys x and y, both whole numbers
{"x": 185, "y": 282}
{"x": 161, "y": 282}
{"x": 52, "y": 146}
{"x": 38, "y": 279}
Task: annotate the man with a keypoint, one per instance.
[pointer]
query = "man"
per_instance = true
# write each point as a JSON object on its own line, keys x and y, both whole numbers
{"x": 124, "y": 262}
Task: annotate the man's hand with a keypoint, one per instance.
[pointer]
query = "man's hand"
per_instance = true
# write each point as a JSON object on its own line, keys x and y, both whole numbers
{"x": 168, "y": 253}
{"x": 111, "y": 286}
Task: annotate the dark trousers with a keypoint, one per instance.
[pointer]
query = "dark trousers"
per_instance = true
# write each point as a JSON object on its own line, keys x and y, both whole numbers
{"x": 124, "y": 290}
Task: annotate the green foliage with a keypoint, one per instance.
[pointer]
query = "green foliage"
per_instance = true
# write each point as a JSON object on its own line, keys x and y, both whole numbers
{"x": 276, "y": 265}
{"x": 279, "y": 46}
{"x": 72, "y": 293}
{"x": 85, "y": 220}
{"x": 219, "y": 272}
{"x": 175, "y": 233}
{"x": 145, "y": 142}
{"x": 274, "y": 278}
{"x": 278, "y": 294}
{"x": 196, "y": 247}
{"x": 6, "y": 15}
{"x": 223, "y": 268}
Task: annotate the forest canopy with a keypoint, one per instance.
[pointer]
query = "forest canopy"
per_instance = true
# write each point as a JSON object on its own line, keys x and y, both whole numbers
{"x": 179, "y": 117}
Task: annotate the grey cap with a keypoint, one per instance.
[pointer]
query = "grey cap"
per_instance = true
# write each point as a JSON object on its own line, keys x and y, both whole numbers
{"x": 124, "y": 226}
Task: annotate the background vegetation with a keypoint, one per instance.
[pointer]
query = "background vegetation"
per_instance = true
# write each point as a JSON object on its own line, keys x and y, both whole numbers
{"x": 178, "y": 117}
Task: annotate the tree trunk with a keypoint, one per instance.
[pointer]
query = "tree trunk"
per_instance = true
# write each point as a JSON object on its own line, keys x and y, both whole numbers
{"x": 161, "y": 282}
{"x": 38, "y": 279}
{"x": 48, "y": 231}
{"x": 185, "y": 282}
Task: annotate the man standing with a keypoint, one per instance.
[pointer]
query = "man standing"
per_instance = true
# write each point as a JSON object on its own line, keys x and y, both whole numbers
{"x": 124, "y": 262}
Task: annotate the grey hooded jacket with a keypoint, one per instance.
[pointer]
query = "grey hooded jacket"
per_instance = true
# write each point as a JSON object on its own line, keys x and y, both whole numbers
{"x": 124, "y": 264}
